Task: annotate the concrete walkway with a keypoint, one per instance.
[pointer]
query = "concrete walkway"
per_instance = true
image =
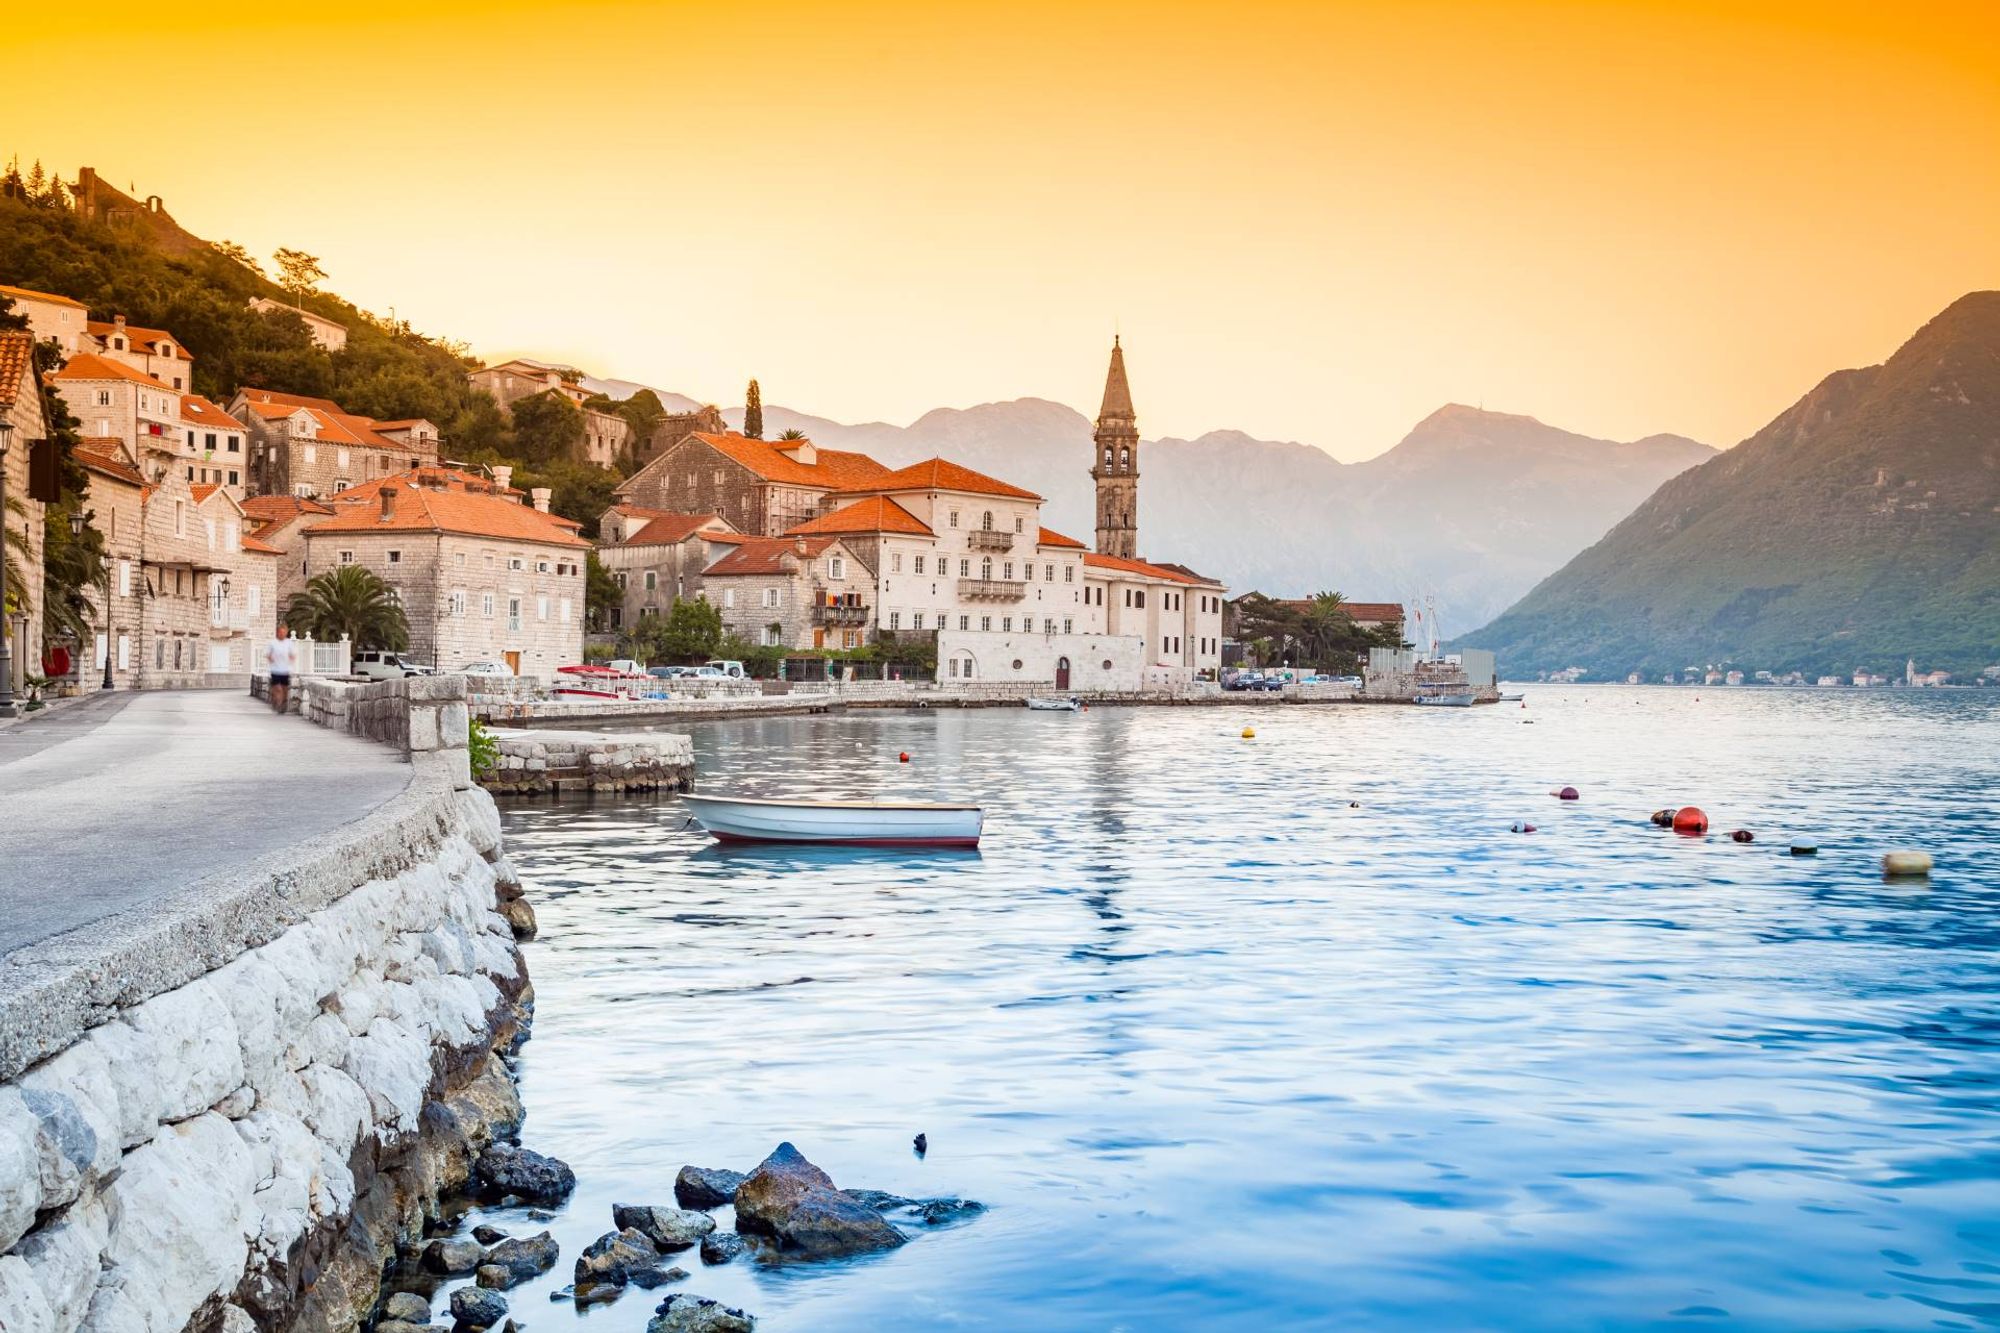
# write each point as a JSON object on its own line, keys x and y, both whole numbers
{"x": 126, "y": 796}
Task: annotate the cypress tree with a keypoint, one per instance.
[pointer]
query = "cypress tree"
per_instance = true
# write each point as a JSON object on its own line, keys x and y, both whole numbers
{"x": 753, "y": 413}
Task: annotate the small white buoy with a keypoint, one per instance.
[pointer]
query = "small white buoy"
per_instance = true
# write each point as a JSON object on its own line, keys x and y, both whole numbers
{"x": 1901, "y": 865}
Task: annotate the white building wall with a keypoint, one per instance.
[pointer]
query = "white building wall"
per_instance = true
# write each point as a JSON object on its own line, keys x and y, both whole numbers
{"x": 1096, "y": 661}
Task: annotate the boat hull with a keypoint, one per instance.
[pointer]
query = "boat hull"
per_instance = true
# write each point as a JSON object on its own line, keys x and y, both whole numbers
{"x": 1445, "y": 700}
{"x": 851, "y": 824}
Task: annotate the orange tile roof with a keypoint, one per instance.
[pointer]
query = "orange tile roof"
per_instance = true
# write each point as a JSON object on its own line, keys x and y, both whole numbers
{"x": 875, "y": 514}
{"x": 40, "y": 296}
{"x": 1123, "y": 566}
{"x": 106, "y": 454}
{"x": 17, "y": 364}
{"x": 199, "y": 410}
{"x": 835, "y": 470}
{"x": 282, "y": 508}
{"x": 938, "y": 474}
{"x": 291, "y": 399}
{"x": 766, "y": 555}
{"x": 431, "y": 478}
{"x": 1366, "y": 612}
{"x": 102, "y": 328}
{"x": 91, "y": 366}
{"x": 1050, "y": 537}
{"x": 260, "y": 548}
{"x": 420, "y": 509}
{"x": 665, "y": 528}
{"x": 330, "y": 427}
{"x": 203, "y": 491}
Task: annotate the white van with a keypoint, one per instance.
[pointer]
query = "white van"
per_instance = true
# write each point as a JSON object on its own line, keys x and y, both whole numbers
{"x": 733, "y": 670}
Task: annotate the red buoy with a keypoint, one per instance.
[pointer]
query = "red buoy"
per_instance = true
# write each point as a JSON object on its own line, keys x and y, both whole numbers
{"x": 1743, "y": 835}
{"x": 1569, "y": 794}
{"x": 903, "y": 758}
{"x": 1523, "y": 828}
{"x": 1690, "y": 819}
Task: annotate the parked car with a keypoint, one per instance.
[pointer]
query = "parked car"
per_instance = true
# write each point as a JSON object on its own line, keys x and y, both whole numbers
{"x": 377, "y": 665}
{"x": 669, "y": 672}
{"x": 723, "y": 667}
{"x": 626, "y": 665}
{"x": 486, "y": 669}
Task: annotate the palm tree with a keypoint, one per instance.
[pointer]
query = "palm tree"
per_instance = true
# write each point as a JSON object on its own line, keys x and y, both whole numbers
{"x": 791, "y": 433}
{"x": 350, "y": 600}
{"x": 1326, "y": 629}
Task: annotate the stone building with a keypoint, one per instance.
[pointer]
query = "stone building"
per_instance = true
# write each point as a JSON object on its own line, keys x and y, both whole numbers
{"x": 480, "y": 576}
{"x": 154, "y": 353}
{"x": 1175, "y": 612}
{"x": 763, "y": 487}
{"x": 1115, "y": 464}
{"x": 21, "y": 521}
{"x": 205, "y": 599}
{"x": 115, "y": 500}
{"x": 511, "y": 381}
{"x": 311, "y": 448}
{"x": 657, "y": 557}
{"x": 280, "y": 522}
{"x": 215, "y": 445}
{"x": 51, "y": 318}
{"x": 605, "y": 438}
{"x": 113, "y": 400}
{"x": 790, "y": 591}
{"x": 675, "y": 427}
{"x": 327, "y": 334}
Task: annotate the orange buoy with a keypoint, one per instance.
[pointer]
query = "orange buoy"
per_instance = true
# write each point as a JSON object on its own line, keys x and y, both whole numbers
{"x": 903, "y": 758}
{"x": 1743, "y": 835}
{"x": 1690, "y": 819}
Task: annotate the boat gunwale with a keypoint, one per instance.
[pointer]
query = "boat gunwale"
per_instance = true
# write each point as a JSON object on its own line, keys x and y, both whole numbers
{"x": 830, "y": 805}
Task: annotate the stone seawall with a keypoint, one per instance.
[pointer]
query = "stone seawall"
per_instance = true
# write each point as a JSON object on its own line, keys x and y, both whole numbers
{"x": 536, "y": 762}
{"x": 227, "y": 1111}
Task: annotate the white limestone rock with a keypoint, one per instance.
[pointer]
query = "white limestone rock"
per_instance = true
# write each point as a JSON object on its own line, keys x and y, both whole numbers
{"x": 392, "y": 1063}
{"x": 82, "y": 1075}
{"x": 62, "y": 1255}
{"x": 196, "y": 1056}
{"x": 480, "y": 814}
{"x": 22, "y": 1306}
{"x": 20, "y": 1167}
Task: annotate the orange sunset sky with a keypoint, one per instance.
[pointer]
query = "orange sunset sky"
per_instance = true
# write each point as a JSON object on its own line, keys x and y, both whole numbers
{"x": 1314, "y": 222}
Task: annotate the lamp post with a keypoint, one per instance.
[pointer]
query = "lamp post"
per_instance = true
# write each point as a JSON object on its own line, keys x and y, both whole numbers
{"x": 7, "y": 708}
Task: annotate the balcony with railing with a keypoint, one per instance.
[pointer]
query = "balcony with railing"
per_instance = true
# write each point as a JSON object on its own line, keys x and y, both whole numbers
{"x": 988, "y": 539}
{"x": 842, "y": 614}
{"x": 994, "y": 590}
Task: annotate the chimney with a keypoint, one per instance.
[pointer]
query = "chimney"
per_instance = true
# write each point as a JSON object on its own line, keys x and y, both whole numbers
{"x": 503, "y": 475}
{"x": 799, "y": 545}
{"x": 118, "y": 322}
{"x": 388, "y": 503}
{"x": 539, "y": 497}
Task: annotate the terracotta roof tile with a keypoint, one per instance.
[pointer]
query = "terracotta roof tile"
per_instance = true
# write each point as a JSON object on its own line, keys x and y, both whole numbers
{"x": 32, "y": 295}
{"x": 421, "y": 509}
{"x": 875, "y": 514}
{"x": 665, "y": 528}
{"x": 17, "y": 364}
{"x": 939, "y": 474}
{"x": 1119, "y": 564}
{"x": 106, "y": 455}
{"x": 260, "y": 548}
{"x": 766, "y": 555}
{"x": 834, "y": 470}
{"x": 144, "y": 338}
{"x": 282, "y": 508}
{"x": 291, "y": 399}
{"x": 202, "y": 491}
{"x": 1366, "y": 612}
{"x": 201, "y": 412}
{"x": 1050, "y": 537}
{"x": 91, "y": 366}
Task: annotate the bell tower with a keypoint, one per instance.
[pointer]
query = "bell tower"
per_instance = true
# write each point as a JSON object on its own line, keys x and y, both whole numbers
{"x": 1115, "y": 464}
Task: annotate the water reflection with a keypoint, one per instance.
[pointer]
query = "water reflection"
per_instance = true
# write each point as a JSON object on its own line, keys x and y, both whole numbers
{"x": 1222, "y": 1050}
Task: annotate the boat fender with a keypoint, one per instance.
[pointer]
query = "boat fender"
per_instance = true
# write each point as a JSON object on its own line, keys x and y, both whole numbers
{"x": 1524, "y": 828}
{"x": 1665, "y": 818}
{"x": 1690, "y": 819}
{"x": 1743, "y": 835}
{"x": 1906, "y": 865}
{"x": 903, "y": 758}
{"x": 1566, "y": 794}
{"x": 1805, "y": 849}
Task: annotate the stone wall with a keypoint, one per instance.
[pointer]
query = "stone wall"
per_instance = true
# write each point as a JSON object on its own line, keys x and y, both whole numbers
{"x": 228, "y": 1109}
{"x": 535, "y": 762}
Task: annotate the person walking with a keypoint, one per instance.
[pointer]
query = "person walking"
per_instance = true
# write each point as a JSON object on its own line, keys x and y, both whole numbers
{"x": 282, "y": 656}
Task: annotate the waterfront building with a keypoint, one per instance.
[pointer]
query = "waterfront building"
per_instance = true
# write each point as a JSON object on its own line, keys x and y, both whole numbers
{"x": 657, "y": 557}
{"x": 763, "y": 487}
{"x": 280, "y": 522}
{"x": 51, "y": 318}
{"x": 114, "y": 496}
{"x": 197, "y": 583}
{"x": 327, "y": 334}
{"x": 21, "y": 521}
{"x": 480, "y": 576}
{"x": 154, "y": 353}
{"x": 312, "y": 448}
{"x": 792, "y": 592}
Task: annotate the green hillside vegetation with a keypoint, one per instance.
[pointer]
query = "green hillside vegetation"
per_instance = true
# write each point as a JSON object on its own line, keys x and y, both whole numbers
{"x": 1860, "y": 528}
{"x": 387, "y": 370}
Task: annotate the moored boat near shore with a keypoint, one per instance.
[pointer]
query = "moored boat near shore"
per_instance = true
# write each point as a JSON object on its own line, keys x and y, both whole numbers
{"x": 849, "y": 823}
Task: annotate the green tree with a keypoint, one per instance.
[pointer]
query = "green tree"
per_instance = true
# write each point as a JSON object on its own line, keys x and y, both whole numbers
{"x": 547, "y": 427}
{"x": 298, "y": 273}
{"x": 791, "y": 433}
{"x": 600, "y": 592}
{"x": 753, "y": 412}
{"x": 236, "y": 254}
{"x": 479, "y": 428}
{"x": 353, "y": 601}
{"x": 690, "y": 632}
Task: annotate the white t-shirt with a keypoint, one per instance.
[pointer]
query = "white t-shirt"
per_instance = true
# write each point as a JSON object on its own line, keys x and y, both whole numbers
{"x": 284, "y": 656}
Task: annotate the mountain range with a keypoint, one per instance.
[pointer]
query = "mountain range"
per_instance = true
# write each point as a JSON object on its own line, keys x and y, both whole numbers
{"x": 1858, "y": 529}
{"x": 1472, "y": 507}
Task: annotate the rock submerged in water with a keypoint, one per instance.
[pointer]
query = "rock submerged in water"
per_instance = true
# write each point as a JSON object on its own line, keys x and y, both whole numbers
{"x": 522, "y": 1259}
{"x": 616, "y": 1260}
{"x": 668, "y": 1228}
{"x": 944, "y": 1212}
{"x": 505, "y": 1170}
{"x": 452, "y": 1254}
{"x": 706, "y": 1186}
{"x": 408, "y": 1307}
{"x": 682, "y": 1313}
{"x": 719, "y": 1247}
{"x": 477, "y": 1307}
{"x": 796, "y": 1204}
{"x": 488, "y": 1235}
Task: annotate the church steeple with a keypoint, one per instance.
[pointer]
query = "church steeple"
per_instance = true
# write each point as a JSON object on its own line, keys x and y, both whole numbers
{"x": 1115, "y": 463}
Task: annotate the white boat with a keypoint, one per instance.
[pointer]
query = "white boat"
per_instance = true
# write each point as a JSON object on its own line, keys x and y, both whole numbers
{"x": 853, "y": 823}
{"x": 1511, "y": 696}
{"x": 1053, "y": 705}
{"x": 1444, "y": 696}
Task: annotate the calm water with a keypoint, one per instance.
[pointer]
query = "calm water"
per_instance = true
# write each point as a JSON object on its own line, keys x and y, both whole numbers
{"x": 1221, "y": 1051}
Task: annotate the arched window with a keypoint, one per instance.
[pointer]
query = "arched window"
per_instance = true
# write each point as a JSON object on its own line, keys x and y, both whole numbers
{"x": 1107, "y": 455}
{"x": 1124, "y": 458}
{"x": 986, "y": 521}
{"x": 986, "y": 568}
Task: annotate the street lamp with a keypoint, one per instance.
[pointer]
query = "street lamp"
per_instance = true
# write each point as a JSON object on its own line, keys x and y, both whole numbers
{"x": 76, "y": 526}
{"x": 7, "y": 708}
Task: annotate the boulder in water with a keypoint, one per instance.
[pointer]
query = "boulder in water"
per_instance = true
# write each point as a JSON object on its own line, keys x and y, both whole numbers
{"x": 682, "y": 1313}
{"x": 796, "y": 1204}
{"x": 668, "y": 1228}
{"x": 476, "y": 1307}
{"x": 706, "y": 1186}
{"x": 504, "y": 1170}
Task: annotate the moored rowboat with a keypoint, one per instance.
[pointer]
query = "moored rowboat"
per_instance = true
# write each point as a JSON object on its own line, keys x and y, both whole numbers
{"x": 852, "y": 823}
{"x": 1042, "y": 705}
